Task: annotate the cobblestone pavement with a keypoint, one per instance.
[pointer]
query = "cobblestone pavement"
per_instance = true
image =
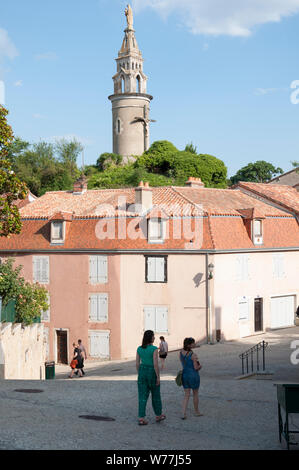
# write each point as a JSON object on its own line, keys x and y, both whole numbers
{"x": 238, "y": 414}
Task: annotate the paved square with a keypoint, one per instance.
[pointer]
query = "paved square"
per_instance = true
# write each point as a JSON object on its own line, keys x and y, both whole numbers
{"x": 238, "y": 414}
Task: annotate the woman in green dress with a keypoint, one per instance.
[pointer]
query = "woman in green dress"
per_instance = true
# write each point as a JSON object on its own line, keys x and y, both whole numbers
{"x": 148, "y": 377}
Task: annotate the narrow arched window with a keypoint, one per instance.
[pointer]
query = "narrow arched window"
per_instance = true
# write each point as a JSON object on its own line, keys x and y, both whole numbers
{"x": 118, "y": 126}
{"x": 138, "y": 84}
{"x": 122, "y": 85}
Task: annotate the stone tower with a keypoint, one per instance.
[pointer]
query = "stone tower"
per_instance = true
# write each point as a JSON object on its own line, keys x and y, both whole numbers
{"x": 130, "y": 102}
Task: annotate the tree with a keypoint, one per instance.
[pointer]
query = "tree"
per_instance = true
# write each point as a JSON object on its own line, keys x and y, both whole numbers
{"x": 191, "y": 148}
{"x": 68, "y": 152}
{"x": 163, "y": 158}
{"x": 45, "y": 166}
{"x": 31, "y": 299}
{"x": 258, "y": 172}
{"x": 108, "y": 160}
{"x": 11, "y": 188}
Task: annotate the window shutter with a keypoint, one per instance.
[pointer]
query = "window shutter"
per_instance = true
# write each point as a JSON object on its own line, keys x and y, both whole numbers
{"x": 93, "y": 269}
{"x": 160, "y": 269}
{"x": 103, "y": 308}
{"x": 243, "y": 309}
{"x": 278, "y": 265}
{"x": 161, "y": 319}
{"x": 45, "y": 270}
{"x": 149, "y": 318}
{"x": 151, "y": 269}
{"x": 46, "y": 314}
{"x": 36, "y": 269}
{"x": 93, "y": 307}
{"x": 102, "y": 269}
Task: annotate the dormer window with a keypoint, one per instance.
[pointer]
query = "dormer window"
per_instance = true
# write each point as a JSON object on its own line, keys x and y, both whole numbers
{"x": 155, "y": 230}
{"x": 57, "y": 231}
{"x": 257, "y": 231}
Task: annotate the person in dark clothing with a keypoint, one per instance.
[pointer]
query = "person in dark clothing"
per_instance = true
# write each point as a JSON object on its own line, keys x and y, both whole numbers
{"x": 79, "y": 358}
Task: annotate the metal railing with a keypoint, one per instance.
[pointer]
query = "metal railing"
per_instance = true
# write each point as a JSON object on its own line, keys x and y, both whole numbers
{"x": 254, "y": 358}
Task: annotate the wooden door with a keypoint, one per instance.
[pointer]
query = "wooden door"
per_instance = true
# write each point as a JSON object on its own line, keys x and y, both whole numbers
{"x": 62, "y": 347}
{"x": 258, "y": 314}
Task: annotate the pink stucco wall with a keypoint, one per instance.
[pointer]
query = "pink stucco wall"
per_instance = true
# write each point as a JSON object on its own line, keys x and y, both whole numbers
{"x": 183, "y": 294}
{"x": 69, "y": 290}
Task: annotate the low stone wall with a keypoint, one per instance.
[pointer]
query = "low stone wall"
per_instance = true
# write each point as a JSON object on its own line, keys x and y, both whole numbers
{"x": 22, "y": 351}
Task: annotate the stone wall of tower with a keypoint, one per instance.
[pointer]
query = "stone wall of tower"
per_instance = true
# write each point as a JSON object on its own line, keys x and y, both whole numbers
{"x": 129, "y": 134}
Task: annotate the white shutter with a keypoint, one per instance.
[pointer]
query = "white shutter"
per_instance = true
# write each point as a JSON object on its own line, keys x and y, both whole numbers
{"x": 149, "y": 318}
{"x": 161, "y": 319}
{"x": 93, "y": 307}
{"x": 36, "y": 269}
{"x": 278, "y": 266}
{"x": 45, "y": 269}
{"x": 93, "y": 273}
{"x": 103, "y": 308}
{"x": 160, "y": 269}
{"x": 102, "y": 269}
{"x": 99, "y": 344}
{"x": 41, "y": 269}
{"x": 46, "y": 314}
{"x": 151, "y": 269}
{"x": 243, "y": 308}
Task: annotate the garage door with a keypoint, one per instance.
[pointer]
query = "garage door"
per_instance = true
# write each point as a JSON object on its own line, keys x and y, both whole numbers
{"x": 282, "y": 311}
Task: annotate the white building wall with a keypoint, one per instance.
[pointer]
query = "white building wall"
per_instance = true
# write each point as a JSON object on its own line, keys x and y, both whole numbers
{"x": 263, "y": 279}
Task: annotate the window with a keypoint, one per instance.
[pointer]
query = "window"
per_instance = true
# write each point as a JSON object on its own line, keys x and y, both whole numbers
{"x": 257, "y": 232}
{"x": 156, "y": 269}
{"x": 138, "y": 84}
{"x": 57, "y": 232}
{"x": 155, "y": 230}
{"x": 41, "y": 269}
{"x": 45, "y": 317}
{"x": 242, "y": 267}
{"x": 98, "y": 308}
{"x": 278, "y": 266}
{"x": 156, "y": 318}
{"x": 98, "y": 269}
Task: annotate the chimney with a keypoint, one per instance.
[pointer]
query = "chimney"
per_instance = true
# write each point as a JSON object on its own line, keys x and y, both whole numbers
{"x": 194, "y": 183}
{"x": 144, "y": 196}
{"x": 80, "y": 186}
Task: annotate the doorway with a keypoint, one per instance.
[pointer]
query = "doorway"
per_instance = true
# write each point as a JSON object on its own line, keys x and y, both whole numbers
{"x": 258, "y": 314}
{"x": 62, "y": 356}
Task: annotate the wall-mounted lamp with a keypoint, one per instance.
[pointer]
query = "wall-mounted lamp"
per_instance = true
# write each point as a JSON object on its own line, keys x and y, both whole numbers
{"x": 211, "y": 270}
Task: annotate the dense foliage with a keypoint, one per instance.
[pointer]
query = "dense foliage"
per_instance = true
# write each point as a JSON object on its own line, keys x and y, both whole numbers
{"x": 162, "y": 165}
{"x": 258, "y": 172}
{"x": 31, "y": 299}
{"x": 45, "y": 166}
{"x": 11, "y": 188}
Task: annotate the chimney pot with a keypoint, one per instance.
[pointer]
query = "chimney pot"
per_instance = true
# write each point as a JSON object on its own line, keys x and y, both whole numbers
{"x": 194, "y": 183}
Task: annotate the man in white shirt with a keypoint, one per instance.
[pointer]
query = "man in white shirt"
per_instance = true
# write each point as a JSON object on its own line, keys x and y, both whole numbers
{"x": 163, "y": 351}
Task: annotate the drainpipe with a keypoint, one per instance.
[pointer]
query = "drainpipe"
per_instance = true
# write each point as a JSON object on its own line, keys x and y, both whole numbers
{"x": 208, "y": 304}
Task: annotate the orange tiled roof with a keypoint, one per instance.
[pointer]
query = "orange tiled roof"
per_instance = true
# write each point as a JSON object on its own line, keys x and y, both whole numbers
{"x": 285, "y": 196}
{"x": 224, "y": 215}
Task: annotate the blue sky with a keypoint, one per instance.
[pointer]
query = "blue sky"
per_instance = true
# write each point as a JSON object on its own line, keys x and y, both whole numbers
{"x": 221, "y": 77}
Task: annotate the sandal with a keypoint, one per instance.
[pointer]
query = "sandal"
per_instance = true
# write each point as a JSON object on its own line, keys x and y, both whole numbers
{"x": 184, "y": 417}
{"x": 142, "y": 422}
{"x": 198, "y": 414}
{"x": 160, "y": 418}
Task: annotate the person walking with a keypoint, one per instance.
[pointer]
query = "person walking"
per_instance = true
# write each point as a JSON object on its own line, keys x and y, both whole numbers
{"x": 76, "y": 362}
{"x": 83, "y": 354}
{"x": 148, "y": 378}
{"x": 163, "y": 351}
{"x": 190, "y": 376}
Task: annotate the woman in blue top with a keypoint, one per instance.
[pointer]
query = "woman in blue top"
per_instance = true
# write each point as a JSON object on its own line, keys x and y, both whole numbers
{"x": 148, "y": 377}
{"x": 190, "y": 376}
